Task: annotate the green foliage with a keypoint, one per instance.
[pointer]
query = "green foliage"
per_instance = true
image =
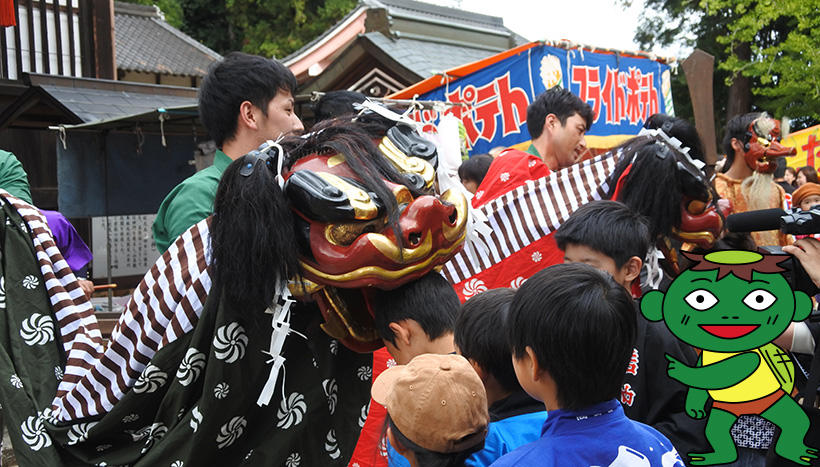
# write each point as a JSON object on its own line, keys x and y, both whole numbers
{"x": 170, "y": 8}
{"x": 271, "y": 28}
{"x": 275, "y": 28}
{"x": 784, "y": 36}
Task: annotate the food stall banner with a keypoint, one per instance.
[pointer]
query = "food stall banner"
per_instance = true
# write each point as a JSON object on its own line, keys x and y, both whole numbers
{"x": 622, "y": 89}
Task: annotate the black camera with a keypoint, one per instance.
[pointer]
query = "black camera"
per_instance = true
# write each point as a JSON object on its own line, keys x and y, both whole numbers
{"x": 793, "y": 222}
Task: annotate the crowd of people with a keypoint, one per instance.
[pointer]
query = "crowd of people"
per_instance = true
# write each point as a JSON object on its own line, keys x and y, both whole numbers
{"x": 563, "y": 370}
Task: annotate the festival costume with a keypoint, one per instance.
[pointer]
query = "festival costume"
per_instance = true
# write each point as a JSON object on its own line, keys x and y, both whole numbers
{"x": 730, "y": 188}
{"x": 597, "y": 435}
{"x": 73, "y": 248}
{"x": 187, "y": 379}
{"x": 509, "y": 170}
{"x": 649, "y": 396}
{"x": 13, "y": 178}
{"x": 188, "y": 203}
{"x": 178, "y": 383}
{"x": 514, "y": 421}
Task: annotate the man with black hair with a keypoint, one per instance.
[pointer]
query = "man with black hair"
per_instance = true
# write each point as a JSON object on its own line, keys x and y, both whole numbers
{"x": 515, "y": 417}
{"x": 557, "y": 121}
{"x": 244, "y": 101}
{"x": 417, "y": 318}
{"x": 571, "y": 329}
{"x": 609, "y": 236}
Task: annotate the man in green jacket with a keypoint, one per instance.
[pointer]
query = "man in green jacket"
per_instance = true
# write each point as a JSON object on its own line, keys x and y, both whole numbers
{"x": 244, "y": 101}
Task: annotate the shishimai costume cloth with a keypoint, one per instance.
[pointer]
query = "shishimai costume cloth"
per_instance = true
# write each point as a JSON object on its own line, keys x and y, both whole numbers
{"x": 177, "y": 384}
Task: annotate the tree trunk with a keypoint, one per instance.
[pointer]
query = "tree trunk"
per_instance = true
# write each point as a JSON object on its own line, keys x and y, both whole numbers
{"x": 740, "y": 92}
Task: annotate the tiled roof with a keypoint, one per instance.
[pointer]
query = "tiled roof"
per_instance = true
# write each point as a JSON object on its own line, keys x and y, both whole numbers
{"x": 94, "y": 100}
{"x": 450, "y": 15}
{"x": 145, "y": 42}
{"x": 426, "y": 58}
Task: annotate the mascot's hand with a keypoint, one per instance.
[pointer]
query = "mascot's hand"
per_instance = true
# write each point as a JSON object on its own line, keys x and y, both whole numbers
{"x": 675, "y": 369}
{"x": 696, "y": 403}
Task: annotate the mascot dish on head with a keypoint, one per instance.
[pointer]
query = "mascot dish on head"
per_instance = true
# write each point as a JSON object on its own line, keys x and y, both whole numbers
{"x": 213, "y": 362}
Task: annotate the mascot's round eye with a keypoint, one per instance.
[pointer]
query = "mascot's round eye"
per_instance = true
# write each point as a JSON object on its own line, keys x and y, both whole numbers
{"x": 701, "y": 299}
{"x": 759, "y": 299}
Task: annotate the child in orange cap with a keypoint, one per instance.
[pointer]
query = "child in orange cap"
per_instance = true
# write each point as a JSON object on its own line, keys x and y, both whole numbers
{"x": 806, "y": 196}
{"x": 436, "y": 409}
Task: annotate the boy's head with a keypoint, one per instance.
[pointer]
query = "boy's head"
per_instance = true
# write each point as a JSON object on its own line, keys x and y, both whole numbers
{"x": 571, "y": 329}
{"x": 248, "y": 88}
{"x": 608, "y": 236}
{"x": 479, "y": 337}
{"x": 436, "y": 406}
{"x": 806, "y": 196}
{"x": 414, "y": 317}
{"x": 472, "y": 171}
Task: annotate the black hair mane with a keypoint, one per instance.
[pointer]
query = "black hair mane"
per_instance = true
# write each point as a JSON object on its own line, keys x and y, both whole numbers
{"x": 653, "y": 187}
{"x": 253, "y": 240}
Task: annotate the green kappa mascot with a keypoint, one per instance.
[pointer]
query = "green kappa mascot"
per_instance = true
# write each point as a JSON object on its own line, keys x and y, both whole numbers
{"x": 732, "y": 305}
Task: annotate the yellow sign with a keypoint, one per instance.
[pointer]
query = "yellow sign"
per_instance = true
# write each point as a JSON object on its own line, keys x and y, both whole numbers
{"x": 807, "y": 143}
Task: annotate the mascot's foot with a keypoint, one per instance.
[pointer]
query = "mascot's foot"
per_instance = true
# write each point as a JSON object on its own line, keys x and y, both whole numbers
{"x": 801, "y": 454}
{"x": 712, "y": 458}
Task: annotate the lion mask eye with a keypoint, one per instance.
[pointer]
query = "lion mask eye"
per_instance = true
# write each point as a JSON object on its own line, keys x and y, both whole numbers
{"x": 345, "y": 234}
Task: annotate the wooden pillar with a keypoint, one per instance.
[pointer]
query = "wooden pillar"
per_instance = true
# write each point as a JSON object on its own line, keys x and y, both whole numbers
{"x": 700, "y": 69}
{"x": 106, "y": 67}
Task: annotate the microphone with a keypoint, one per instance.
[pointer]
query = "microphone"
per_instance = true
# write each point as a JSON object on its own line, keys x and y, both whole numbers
{"x": 755, "y": 221}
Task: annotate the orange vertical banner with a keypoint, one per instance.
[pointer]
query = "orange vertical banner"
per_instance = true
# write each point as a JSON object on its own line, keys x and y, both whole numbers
{"x": 8, "y": 16}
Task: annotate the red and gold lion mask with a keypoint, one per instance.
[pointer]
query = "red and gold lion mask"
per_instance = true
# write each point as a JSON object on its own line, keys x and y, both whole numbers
{"x": 348, "y": 243}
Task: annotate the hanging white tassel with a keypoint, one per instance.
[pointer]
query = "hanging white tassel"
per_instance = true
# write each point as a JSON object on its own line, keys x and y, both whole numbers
{"x": 280, "y": 322}
{"x": 654, "y": 272}
{"x": 448, "y": 146}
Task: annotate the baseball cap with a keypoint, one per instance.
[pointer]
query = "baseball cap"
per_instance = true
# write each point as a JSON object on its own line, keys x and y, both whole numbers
{"x": 435, "y": 401}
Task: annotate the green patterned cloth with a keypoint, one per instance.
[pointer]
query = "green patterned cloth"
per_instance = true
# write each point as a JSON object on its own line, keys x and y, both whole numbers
{"x": 194, "y": 403}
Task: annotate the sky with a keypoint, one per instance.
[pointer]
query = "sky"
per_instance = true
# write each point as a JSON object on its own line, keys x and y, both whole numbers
{"x": 602, "y": 23}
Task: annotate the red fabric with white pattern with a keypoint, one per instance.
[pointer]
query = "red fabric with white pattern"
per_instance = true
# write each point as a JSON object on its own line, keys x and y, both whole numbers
{"x": 523, "y": 220}
{"x": 508, "y": 170}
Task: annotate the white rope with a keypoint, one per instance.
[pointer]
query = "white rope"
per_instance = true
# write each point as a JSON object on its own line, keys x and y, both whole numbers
{"x": 280, "y": 322}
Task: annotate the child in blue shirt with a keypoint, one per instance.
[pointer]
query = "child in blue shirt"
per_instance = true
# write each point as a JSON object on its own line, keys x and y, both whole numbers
{"x": 515, "y": 417}
{"x": 571, "y": 329}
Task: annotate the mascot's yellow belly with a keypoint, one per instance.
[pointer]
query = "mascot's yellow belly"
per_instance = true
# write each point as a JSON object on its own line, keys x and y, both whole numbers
{"x": 760, "y": 383}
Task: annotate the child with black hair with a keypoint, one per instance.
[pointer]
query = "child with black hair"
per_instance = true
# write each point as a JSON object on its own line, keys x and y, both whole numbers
{"x": 612, "y": 238}
{"x": 515, "y": 417}
{"x": 416, "y": 318}
{"x": 472, "y": 171}
{"x": 571, "y": 328}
